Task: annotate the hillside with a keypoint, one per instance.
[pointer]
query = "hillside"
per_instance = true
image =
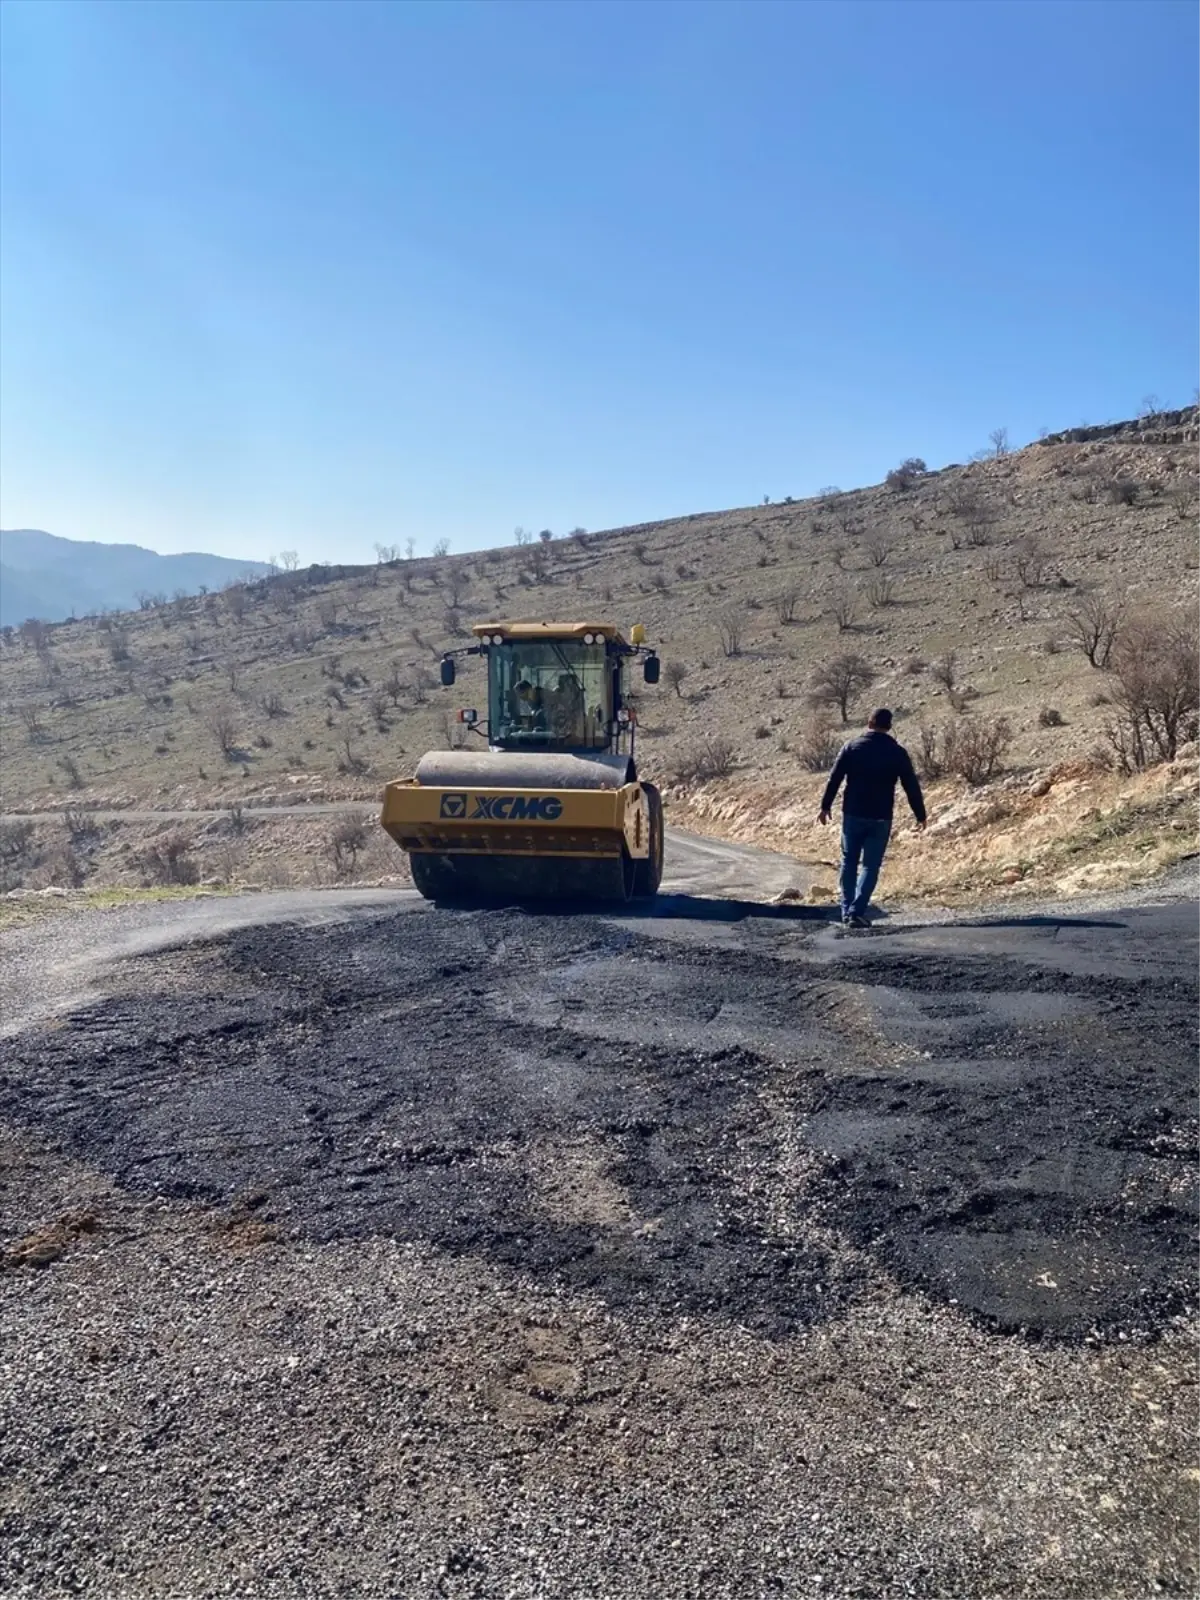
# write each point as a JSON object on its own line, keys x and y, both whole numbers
{"x": 963, "y": 590}
{"x": 43, "y": 575}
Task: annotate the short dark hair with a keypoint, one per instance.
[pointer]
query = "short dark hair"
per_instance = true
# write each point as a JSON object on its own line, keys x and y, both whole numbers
{"x": 881, "y": 719}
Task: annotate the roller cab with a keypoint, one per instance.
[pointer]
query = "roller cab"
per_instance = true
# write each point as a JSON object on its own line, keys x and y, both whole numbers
{"x": 552, "y": 807}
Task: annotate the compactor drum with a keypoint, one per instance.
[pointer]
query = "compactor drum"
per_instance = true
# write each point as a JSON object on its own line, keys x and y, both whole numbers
{"x": 553, "y": 807}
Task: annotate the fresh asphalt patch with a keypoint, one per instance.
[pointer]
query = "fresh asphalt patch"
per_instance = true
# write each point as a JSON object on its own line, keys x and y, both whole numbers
{"x": 1002, "y": 1117}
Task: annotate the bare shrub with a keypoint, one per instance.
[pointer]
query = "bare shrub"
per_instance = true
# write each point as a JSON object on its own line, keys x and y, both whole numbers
{"x": 35, "y": 633}
{"x": 945, "y": 671}
{"x": 1051, "y": 717}
{"x": 839, "y": 682}
{"x": 1095, "y": 626}
{"x": 1183, "y": 499}
{"x": 346, "y": 841}
{"x": 168, "y": 860}
{"x": 71, "y": 771}
{"x": 930, "y": 759}
{"x": 1123, "y": 491}
{"x": 1030, "y": 563}
{"x": 16, "y": 843}
{"x": 881, "y": 590}
{"x": 818, "y": 744}
{"x": 878, "y": 548}
{"x": 1156, "y": 663}
{"x": 393, "y": 683}
{"x": 714, "y": 758}
{"x": 236, "y": 601}
{"x": 350, "y": 762}
{"x": 843, "y": 608}
{"x": 975, "y": 750}
{"x": 272, "y": 706}
{"x": 732, "y": 628}
{"x": 223, "y": 726}
{"x": 786, "y": 602}
{"x": 378, "y": 707}
{"x": 31, "y": 721}
{"x": 675, "y": 672}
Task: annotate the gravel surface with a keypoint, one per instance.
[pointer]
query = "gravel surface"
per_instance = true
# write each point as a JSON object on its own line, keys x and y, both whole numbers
{"x": 360, "y": 1248}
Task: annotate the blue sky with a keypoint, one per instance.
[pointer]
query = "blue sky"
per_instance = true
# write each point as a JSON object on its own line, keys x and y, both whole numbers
{"x": 312, "y": 276}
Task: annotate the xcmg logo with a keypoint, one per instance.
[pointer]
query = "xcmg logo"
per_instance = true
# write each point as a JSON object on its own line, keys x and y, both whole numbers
{"x": 517, "y": 808}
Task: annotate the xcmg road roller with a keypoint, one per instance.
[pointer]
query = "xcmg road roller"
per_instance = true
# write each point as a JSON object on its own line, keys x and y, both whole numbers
{"x": 552, "y": 807}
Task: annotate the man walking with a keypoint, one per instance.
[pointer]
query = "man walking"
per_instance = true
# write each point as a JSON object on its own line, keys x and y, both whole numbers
{"x": 872, "y": 765}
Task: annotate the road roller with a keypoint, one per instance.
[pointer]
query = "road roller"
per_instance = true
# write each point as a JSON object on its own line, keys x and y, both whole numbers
{"x": 549, "y": 805}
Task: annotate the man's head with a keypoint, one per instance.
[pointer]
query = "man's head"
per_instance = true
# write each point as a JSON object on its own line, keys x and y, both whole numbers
{"x": 524, "y": 688}
{"x": 881, "y": 720}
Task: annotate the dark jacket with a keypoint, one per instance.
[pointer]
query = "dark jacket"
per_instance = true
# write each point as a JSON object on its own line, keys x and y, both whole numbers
{"x": 872, "y": 765}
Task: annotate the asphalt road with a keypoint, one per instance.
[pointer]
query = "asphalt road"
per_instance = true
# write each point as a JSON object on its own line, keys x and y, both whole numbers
{"x": 714, "y": 1173}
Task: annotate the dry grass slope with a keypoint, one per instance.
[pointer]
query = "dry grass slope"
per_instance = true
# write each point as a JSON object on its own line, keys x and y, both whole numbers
{"x": 995, "y": 590}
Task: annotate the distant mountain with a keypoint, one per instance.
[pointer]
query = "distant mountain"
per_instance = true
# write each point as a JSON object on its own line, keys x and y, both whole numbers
{"x": 44, "y": 576}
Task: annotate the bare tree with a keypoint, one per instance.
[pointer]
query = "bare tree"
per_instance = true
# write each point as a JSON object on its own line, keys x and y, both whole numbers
{"x": 289, "y": 560}
{"x": 522, "y": 536}
{"x": 731, "y": 625}
{"x": 237, "y": 601}
{"x": 998, "y": 439}
{"x": 881, "y": 590}
{"x": 675, "y": 672}
{"x": 1095, "y": 624}
{"x": 441, "y": 548}
{"x": 458, "y": 581}
{"x": 385, "y": 554}
{"x": 31, "y": 720}
{"x": 840, "y": 680}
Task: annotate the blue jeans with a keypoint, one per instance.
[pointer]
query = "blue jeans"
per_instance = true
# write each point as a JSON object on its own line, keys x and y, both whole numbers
{"x": 865, "y": 838}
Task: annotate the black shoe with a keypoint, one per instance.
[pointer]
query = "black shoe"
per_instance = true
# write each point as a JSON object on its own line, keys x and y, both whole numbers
{"x": 857, "y": 922}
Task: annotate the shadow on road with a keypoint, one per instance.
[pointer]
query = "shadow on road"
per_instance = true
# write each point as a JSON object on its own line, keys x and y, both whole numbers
{"x": 666, "y": 907}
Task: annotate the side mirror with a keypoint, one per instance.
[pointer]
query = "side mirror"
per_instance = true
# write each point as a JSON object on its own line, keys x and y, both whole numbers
{"x": 650, "y": 668}
{"x": 448, "y": 673}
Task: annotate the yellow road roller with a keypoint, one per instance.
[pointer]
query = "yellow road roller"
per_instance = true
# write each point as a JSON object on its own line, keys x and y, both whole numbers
{"x": 550, "y": 806}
